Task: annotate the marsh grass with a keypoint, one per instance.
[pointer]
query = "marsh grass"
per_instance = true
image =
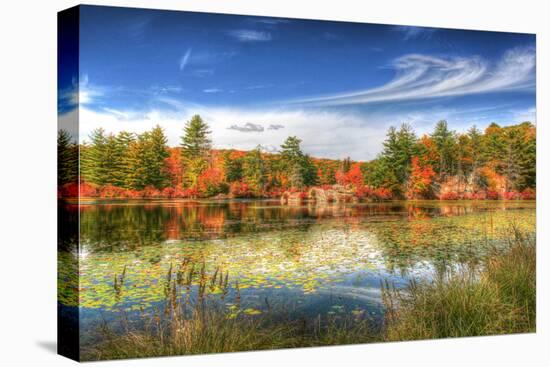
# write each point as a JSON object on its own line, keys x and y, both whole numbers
{"x": 495, "y": 297}
{"x": 193, "y": 321}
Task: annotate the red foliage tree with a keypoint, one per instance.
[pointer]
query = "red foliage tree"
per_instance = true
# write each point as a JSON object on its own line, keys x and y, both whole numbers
{"x": 353, "y": 177}
{"x": 421, "y": 178}
{"x": 211, "y": 182}
{"x": 173, "y": 167}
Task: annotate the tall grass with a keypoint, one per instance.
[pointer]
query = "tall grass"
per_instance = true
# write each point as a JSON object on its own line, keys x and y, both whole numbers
{"x": 192, "y": 322}
{"x": 497, "y": 297}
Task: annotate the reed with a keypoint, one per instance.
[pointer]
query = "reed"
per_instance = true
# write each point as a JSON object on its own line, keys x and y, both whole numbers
{"x": 193, "y": 321}
{"x": 496, "y": 297}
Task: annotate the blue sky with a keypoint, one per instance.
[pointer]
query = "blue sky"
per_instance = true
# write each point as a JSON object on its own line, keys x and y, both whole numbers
{"x": 256, "y": 80}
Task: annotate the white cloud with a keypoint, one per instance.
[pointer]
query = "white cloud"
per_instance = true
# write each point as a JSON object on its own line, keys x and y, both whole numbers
{"x": 185, "y": 59}
{"x": 529, "y": 114}
{"x": 420, "y": 76}
{"x": 412, "y": 32}
{"x": 212, "y": 90}
{"x": 247, "y": 128}
{"x": 246, "y": 35}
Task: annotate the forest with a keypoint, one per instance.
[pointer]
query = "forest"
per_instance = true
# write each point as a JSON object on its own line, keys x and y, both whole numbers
{"x": 497, "y": 163}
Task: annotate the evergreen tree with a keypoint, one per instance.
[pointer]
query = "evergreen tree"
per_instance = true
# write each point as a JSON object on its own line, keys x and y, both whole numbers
{"x": 123, "y": 142}
{"x": 394, "y": 166}
{"x": 233, "y": 167}
{"x": 254, "y": 171}
{"x": 135, "y": 158}
{"x": 445, "y": 141}
{"x": 95, "y": 167}
{"x": 67, "y": 158}
{"x": 528, "y": 157}
{"x": 195, "y": 150}
{"x": 156, "y": 155}
{"x": 295, "y": 162}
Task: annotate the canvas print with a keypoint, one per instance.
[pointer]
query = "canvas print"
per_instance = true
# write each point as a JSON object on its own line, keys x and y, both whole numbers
{"x": 238, "y": 183}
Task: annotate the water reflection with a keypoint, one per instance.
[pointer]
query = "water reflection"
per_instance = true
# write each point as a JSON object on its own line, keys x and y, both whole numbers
{"x": 117, "y": 226}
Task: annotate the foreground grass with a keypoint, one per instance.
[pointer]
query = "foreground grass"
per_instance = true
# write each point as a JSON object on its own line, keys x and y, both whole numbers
{"x": 498, "y": 298}
{"x": 190, "y": 323}
{"x": 212, "y": 332}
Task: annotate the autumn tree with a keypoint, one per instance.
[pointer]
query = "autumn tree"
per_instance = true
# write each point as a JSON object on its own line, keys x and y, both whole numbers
{"x": 420, "y": 180}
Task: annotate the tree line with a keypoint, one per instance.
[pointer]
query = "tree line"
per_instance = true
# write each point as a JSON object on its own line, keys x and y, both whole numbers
{"x": 499, "y": 159}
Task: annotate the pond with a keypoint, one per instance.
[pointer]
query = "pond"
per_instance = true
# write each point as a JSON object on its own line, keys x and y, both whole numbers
{"x": 303, "y": 261}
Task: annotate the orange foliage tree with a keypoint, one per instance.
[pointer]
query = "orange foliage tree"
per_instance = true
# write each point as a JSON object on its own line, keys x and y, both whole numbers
{"x": 420, "y": 180}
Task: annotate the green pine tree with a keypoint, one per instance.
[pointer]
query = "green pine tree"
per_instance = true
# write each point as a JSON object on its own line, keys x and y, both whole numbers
{"x": 195, "y": 150}
{"x": 67, "y": 158}
{"x": 254, "y": 171}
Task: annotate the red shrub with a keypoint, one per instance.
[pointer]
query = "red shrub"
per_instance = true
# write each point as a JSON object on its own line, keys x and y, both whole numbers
{"x": 88, "y": 190}
{"x": 151, "y": 192}
{"x": 110, "y": 191}
{"x": 382, "y": 194}
{"x": 474, "y": 195}
{"x": 69, "y": 190}
{"x": 364, "y": 192}
{"x": 511, "y": 195}
{"x": 449, "y": 196}
{"x": 168, "y": 192}
{"x": 529, "y": 194}
{"x": 240, "y": 189}
{"x": 492, "y": 195}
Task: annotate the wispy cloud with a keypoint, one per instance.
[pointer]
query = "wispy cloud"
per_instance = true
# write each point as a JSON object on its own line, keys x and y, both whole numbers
{"x": 201, "y": 73}
{"x": 185, "y": 59}
{"x": 212, "y": 90}
{"x": 528, "y": 114}
{"x": 247, "y": 35}
{"x": 270, "y": 21}
{"x": 258, "y": 86}
{"x": 275, "y": 127}
{"x": 164, "y": 89}
{"x": 248, "y": 128}
{"x": 424, "y": 76}
{"x": 412, "y": 32}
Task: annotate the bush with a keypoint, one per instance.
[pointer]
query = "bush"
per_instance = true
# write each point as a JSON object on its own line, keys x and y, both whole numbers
{"x": 110, "y": 191}
{"x": 151, "y": 192}
{"x": 511, "y": 195}
{"x": 492, "y": 195}
{"x": 88, "y": 190}
{"x": 529, "y": 194}
{"x": 382, "y": 194}
{"x": 240, "y": 189}
{"x": 449, "y": 196}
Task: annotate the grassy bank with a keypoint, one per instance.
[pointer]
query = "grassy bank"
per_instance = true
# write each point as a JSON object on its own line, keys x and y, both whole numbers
{"x": 494, "y": 297}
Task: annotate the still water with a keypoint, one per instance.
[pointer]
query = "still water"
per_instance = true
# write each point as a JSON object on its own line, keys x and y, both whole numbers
{"x": 302, "y": 261}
